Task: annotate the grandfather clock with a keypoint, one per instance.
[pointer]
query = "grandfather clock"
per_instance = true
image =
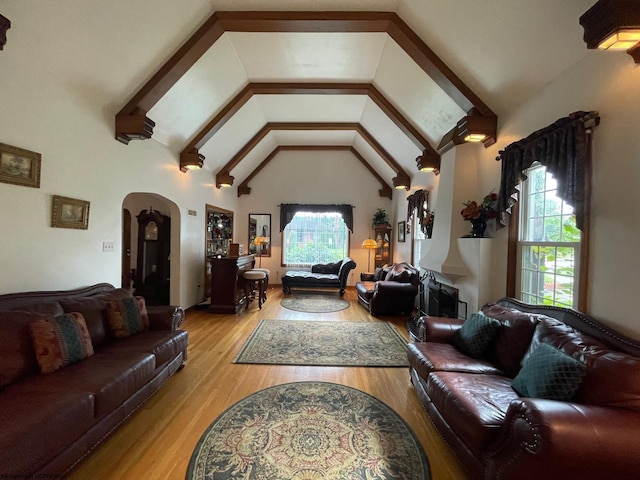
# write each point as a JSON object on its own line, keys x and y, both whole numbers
{"x": 382, "y": 236}
{"x": 154, "y": 248}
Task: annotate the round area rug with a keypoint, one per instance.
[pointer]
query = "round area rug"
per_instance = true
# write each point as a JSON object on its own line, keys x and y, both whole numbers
{"x": 309, "y": 431}
{"x": 311, "y": 303}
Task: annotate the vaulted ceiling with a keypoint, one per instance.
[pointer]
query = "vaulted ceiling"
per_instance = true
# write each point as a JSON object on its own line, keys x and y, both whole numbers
{"x": 249, "y": 84}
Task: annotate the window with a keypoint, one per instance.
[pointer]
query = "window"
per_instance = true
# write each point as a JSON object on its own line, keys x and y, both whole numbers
{"x": 315, "y": 237}
{"x": 548, "y": 245}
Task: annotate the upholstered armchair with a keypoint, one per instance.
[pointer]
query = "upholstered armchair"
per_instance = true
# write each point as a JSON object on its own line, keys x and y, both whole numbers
{"x": 390, "y": 290}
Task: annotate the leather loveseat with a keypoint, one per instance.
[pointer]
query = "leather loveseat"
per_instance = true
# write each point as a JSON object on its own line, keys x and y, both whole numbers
{"x": 93, "y": 382}
{"x": 322, "y": 275}
{"x": 547, "y": 393}
{"x": 392, "y": 289}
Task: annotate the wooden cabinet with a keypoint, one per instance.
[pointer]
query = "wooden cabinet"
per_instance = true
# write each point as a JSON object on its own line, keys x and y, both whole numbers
{"x": 227, "y": 284}
{"x": 383, "y": 237}
{"x": 218, "y": 238}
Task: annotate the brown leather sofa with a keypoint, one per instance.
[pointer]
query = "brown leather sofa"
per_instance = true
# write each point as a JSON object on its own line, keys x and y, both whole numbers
{"x": 392, "y": 289}
{"x": 497, "y": 433}
{"x": 322, "y": 275}
{"x": 50, "y": 421}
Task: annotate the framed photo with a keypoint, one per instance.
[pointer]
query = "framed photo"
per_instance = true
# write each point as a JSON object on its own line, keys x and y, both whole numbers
{"x": 69, "y": 213}
{"x": 19, "y": 167}
{"x": 402, "y": 228}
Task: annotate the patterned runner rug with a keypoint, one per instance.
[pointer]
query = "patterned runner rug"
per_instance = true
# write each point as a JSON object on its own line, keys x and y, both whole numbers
{"x": 315, "y": 342}
{"x": 309, "y": 431}
{"x": 314, "y": 303}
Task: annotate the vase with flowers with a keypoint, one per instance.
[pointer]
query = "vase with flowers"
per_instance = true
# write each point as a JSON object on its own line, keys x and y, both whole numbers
{"x": 478, "y": 213}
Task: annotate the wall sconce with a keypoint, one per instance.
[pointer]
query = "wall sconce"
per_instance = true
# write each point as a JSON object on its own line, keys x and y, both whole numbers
{"x": 476, "y": 128}
{"x": 191, "y": 160}
{"x": 613, "y": 25}
{"x": 223, "y": 179}
{"x": 400, "y": 182}
{"x": 428, "y": 162}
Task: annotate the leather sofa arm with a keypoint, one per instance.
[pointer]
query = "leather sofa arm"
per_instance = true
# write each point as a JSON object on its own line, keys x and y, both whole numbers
{"x": 437, "y": 329}
{"x": 569, "y": 439}
{"x": 165, "y": 317}
{"x": 367, "y": 277}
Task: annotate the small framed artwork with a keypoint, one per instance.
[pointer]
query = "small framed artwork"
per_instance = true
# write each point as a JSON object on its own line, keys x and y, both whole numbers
{"x": 69, "y": 213}
{"x": 402, "y": 228}
{"x": 19, "y": 167}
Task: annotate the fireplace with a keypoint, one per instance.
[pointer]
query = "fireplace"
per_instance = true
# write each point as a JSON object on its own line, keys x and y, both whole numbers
{"x": 441, "y": 300}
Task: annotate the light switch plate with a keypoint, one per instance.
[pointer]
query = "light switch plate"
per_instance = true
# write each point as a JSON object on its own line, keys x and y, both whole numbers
{"x": 107, "y": 246}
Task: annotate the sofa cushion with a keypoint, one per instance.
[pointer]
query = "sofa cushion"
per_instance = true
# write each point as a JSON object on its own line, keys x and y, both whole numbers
{"x": 17, "y": 357}
{"x": 612, "y": 378}
{"x": 127, "y": 316}
{"x": 94, "y": 311}
{"x": 549, "y": 373}
{"x": 38, "y": 427}
{"x": 163, "y": 344}
{"x": 400, "y": 273}
{"x": 60, "y": 341}
{"x": 476, "y": 333}
{"x": 514, "y": 336}
{"x": 473, "y": 405}
{"x": 427, "y": 357}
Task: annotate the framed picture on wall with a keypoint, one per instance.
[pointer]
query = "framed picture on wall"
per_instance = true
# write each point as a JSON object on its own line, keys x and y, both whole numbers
{"x": 69, "y": 213}
{"x": 19, "y": 167}
{"x": 402, "y": 228}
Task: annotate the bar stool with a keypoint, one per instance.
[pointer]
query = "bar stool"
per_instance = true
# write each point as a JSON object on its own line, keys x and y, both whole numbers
{"x": 266, "y": 281}
{"x": 253, "y": 278}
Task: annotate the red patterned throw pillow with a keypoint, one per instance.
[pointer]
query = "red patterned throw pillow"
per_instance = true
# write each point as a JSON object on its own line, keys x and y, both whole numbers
{"x": 61, "y": 340}
{"x": 127, "y": 316}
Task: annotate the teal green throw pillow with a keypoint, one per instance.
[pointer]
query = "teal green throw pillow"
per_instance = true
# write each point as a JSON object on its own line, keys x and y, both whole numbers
{"x": 476, "y": 333}
{"x": 549, "y": 373}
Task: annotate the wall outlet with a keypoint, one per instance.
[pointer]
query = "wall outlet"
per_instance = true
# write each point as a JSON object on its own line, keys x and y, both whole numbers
{"x": 107, "y": 247}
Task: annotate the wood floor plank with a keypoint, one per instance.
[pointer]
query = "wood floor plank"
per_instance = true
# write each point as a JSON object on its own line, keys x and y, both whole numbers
{"x": 158, "y": 440}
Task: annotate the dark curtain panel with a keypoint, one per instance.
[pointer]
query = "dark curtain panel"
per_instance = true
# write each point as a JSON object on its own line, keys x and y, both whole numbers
{"x": 564, "y": 148}
{"x": 288, "y": 210}
{"x": 417, "y": 201}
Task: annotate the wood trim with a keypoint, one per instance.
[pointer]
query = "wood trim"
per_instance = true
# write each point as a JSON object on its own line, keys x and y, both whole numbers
{"x": 5, "y": 24}
{"x": 297, "y": 88}
{"x": 221, "y": 22}
{"x": 244, "y": 189}
{"x": 512, "y": 251}
{"x": 257, "y": 138}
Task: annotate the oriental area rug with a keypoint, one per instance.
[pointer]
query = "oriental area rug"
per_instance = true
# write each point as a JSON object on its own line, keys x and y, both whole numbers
{"x": 324, "y": 343}
{"x": 314, "y": 303}
{"x": 309, "y": 431}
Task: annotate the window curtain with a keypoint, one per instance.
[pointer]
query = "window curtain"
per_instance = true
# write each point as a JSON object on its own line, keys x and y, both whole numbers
{"x": 564, "y": 147}
{"x": 288, "y": 210}
{"x": 418, "y": 201}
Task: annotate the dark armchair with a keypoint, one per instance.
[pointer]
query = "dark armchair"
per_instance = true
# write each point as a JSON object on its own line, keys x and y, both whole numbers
{"x": 391, "y": 289}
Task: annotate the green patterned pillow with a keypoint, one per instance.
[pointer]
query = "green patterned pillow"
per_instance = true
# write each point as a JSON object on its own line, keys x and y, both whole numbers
{"x": 476, "y": 333}
{"x": 127, "y": 316}
{"x": 549, "y": 373}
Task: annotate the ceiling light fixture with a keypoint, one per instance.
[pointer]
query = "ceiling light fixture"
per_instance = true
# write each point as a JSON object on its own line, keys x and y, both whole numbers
{"x": 401, "y": 182}
{"x": 613, "y": 25}
{"x": 223, "y": 179}
{"x": 191, "y": 160}
{"x": 428, "y": 162}
{"x": 476, "y": 128}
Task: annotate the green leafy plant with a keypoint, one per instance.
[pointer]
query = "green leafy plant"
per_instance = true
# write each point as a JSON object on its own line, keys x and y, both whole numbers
{"x": 380, "y": 217}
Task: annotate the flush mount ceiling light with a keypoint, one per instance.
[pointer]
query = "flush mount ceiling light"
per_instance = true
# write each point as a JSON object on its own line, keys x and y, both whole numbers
{"x": 428, "y": 162}
{"x": 613, "y": 25}
{"x": 223, "y": 179}
{"x": 401, "y": 182}
{"x": 191, "y": 160}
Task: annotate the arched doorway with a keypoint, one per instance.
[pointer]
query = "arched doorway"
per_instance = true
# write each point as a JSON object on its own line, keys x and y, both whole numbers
{"x": 153, "y": 252}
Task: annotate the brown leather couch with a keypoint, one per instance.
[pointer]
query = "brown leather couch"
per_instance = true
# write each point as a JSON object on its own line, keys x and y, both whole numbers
{"x": 50, "y": 421}
{"x": 497, "y": 433}
{"x": 392, "y": 289}
{"x": 322, "y": 275}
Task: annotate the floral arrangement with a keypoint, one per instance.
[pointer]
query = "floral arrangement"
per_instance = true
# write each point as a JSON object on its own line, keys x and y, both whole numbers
{"x": 480, "y": 211}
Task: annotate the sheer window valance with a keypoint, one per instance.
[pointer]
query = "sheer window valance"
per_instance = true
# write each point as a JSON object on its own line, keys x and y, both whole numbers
{"x": 564, "y": 147}
{"x": 288, "y": 210}
{"x": 419, "y": 201}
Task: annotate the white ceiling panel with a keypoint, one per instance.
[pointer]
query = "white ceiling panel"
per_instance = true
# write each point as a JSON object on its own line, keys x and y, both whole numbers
{"x": 312, "y": 108}
{"x": 309, "y": 56}
{"x": 199, "y": 94}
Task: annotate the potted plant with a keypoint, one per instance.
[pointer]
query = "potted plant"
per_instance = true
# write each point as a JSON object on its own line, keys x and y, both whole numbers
{"x": 380, "y": 217}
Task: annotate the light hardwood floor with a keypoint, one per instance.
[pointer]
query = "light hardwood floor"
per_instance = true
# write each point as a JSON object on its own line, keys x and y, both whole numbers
{"x": 157, "y": 441}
